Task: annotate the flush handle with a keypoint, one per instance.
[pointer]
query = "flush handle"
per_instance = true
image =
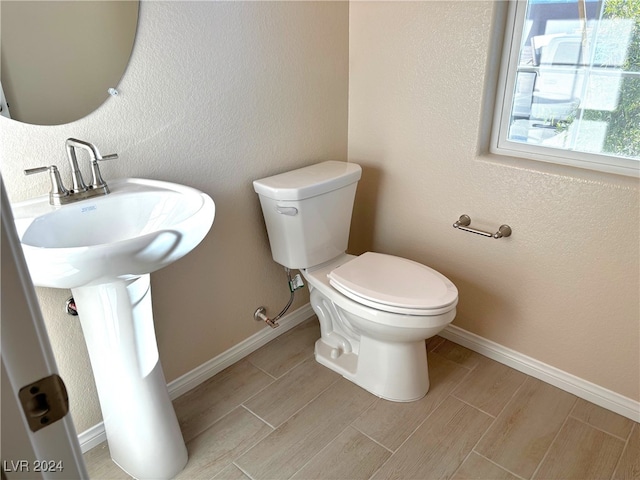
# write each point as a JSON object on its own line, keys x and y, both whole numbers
{"x": 290, "y": 211}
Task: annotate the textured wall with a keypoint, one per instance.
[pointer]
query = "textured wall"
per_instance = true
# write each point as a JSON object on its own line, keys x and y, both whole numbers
{"x": 564, "y": 289}
{"x": 216, "y": 95}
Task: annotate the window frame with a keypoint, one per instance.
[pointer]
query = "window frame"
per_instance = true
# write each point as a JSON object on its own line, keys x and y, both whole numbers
{"x": 499, "y": 142}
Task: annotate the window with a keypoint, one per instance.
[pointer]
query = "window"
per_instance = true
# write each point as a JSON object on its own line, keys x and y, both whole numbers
{"x": 569, "y": 87}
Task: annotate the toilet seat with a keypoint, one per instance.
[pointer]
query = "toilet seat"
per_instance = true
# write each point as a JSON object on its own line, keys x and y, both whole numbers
{"x": 394, "y": 284}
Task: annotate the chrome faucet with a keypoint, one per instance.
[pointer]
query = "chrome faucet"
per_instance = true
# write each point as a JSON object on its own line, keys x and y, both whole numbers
{"x": 97, "y": 183}
{"x": 59, "y": 195}
{"x": 76, "y": 177}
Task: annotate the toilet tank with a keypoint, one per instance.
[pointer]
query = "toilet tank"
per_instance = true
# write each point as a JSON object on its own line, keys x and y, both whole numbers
{"x": 308, "y": 212}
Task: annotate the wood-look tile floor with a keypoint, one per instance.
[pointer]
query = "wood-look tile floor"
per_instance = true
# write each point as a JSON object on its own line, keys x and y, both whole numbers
{"x": 278, "y": 414}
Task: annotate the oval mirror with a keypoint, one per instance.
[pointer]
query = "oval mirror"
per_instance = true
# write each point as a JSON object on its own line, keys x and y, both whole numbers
{"x": 59, "y": 59}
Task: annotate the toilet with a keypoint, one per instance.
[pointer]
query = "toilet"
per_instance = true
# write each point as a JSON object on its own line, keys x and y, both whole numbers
{"x": 375, "y": 310}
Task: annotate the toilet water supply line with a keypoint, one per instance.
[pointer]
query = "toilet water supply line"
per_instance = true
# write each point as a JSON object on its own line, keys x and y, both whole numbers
{"x": 294, "y": 284}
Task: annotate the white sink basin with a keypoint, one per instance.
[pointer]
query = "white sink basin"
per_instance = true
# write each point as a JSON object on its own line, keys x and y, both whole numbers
{"x": 104, "y": 249}
{"x": 140, "y": 227}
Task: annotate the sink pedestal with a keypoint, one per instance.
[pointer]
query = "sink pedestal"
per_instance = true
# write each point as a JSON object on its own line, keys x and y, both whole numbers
{"x": 141, "y": 425}
{"x": 103, "y": 248}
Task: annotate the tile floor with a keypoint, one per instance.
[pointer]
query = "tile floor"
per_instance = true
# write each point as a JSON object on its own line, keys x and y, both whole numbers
{"x": 278, "y": 414}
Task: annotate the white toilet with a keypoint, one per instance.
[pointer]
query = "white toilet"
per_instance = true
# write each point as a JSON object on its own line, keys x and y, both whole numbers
{"x": 375, "y": 310}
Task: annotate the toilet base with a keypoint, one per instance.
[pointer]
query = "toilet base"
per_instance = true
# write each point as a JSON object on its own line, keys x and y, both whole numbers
{"x": 393, "y": 371}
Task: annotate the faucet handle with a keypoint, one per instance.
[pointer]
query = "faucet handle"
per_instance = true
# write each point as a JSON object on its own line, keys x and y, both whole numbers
{"x": 57, "y": 188}
{"x": 31, "y": 171}
{"x": 97, "y": 181}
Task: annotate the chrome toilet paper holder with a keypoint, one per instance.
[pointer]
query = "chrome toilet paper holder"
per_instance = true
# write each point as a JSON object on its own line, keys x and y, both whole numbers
{"x": 464, "y": 221}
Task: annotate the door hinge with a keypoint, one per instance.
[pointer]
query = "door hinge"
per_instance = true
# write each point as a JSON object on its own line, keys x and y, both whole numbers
{"x": 44, "y": 402}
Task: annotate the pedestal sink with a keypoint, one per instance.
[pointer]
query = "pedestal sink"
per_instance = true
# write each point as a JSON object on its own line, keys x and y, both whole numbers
{"x": 104, "y": 249}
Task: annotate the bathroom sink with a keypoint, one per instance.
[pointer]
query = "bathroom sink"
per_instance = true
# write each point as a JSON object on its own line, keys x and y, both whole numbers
{"x": 141, "y": 226}
{"x": 104, "y": 249}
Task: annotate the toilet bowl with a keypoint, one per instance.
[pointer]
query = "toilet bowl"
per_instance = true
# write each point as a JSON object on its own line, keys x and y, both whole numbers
{"x": 375, "y": 310}
{"x": 382, "y": 351}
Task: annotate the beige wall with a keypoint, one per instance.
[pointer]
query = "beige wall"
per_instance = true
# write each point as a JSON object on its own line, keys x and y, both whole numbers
{"x": 564, "y": 288}
{"x": 217, "y": 94}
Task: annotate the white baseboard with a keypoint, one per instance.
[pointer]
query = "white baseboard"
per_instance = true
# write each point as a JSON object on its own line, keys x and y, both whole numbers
{"x": 92, "y": 437}
{"x": 95, "y": 435}
{"x": 565, "y": 381}
{"x": 554, "y": 376}
{"x": 204, "y": 372}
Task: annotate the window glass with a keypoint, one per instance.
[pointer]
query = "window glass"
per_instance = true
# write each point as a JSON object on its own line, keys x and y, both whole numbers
{"x": 573, "y": 80}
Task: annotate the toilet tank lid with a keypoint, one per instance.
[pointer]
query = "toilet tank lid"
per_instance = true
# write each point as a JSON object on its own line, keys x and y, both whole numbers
{"x": 308, "y": 181}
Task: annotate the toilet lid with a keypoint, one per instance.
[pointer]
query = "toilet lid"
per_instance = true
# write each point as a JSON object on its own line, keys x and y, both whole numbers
{"x": 393, "y": 284}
